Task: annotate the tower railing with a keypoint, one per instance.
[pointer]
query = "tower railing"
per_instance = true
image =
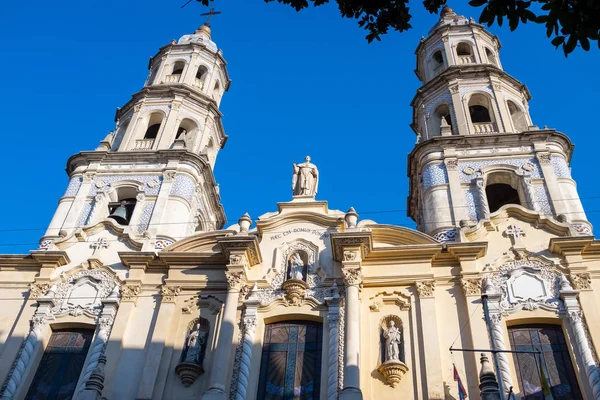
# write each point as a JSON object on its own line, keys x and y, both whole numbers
{"x": 199, "y": 83}
{"x": 484, "y": 127}
{"x": 172, "y": 78}
{"x": 466, "y": 59}
{"x": 143, "y": 144}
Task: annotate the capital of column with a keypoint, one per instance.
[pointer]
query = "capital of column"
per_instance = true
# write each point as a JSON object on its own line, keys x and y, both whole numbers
{"x": 169, "y": 293}
{"x": 471, "y": 286}
{"x": 425, "y": 289}
{"x": 130, "y": 292}
{"x": 235, "y": 280}
{"x": 352, "y": 276}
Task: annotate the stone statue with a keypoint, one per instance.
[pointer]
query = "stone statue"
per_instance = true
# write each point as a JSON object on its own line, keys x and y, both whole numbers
{"x": 296, "y": 267}
{"x": 305, "y": 181}
{"x": 393, "y": 339}
{"x": 195, "y": 345}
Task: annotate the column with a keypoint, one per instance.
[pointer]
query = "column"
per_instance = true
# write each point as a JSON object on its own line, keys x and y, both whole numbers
{"x": 494, "y": 298}
{"x": 333, "y": 319}
{"x": 103, "y": 328}
{"x": 482, "y": 202}
{"x": 434, "y": 378}
{"x": 219, "y": 374}
{"x": 33, "y": 343}
{"x": 157, "y": 344}
{"x": 114, "y": 348}
{"x": 247, "y": 343}
{"x": 556, "y": 198}
{"x": 576, "y": 320}
{"x": 459, "y": 207}
{"x": 353, "y": 279}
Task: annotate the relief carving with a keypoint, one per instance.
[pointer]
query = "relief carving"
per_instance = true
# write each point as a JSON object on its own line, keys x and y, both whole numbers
{"x": 425, "y": 288}
{"x": 582, "y": 281}
{"x": 471, "y": 286}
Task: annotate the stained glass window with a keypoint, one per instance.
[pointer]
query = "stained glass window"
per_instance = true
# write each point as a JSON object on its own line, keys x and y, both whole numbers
{"x": 61, "y": 364}
{"x": 291, "y": 361}
{"x": 554, "y": 360}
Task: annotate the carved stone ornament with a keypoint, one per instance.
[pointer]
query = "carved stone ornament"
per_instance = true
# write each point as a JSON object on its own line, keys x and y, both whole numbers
{"x": 544, "y": 158}
{"x": 37, "y": 289}
{"x": 234, "y": 280}
{"x": 471, "y": 286}
{"x": 294, "y": 291}
{"x": 169, "y": 292}
{"x": 528, "y": 284}
{"x": 393, "y": 371}
{"x": 425, "y": 288}
{"x": 169, "y": 176}
{"x": 130, "y": 292}
{"x": 351, "y": 256}
{"x": 582, "y": 281}
{"x": 451, "y": 164}
{"x": 141, "y": 196}
{"x": 153, "y": 183}
{"x": 352, "y": 276}
{"x": 88, "y": 177}
{"x": 237, "y": 259}
{"x": 528, "y": 166}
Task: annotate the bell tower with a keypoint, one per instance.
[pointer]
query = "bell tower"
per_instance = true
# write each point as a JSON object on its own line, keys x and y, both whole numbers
{"x": 477, "y": 149}
{"x": 152, "y": 177}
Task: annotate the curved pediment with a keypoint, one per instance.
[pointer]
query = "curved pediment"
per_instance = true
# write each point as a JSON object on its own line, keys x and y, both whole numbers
{"x": 392, "y": 235}
{"x": 202, "y": 242}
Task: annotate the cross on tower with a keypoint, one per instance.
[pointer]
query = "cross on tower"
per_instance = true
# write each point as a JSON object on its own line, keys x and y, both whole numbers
{"x": 209, "y": 15}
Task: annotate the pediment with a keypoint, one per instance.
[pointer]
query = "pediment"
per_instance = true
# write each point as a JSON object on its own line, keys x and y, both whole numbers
{"x": 206, "y": 242}
{"x": 391, "y": 235}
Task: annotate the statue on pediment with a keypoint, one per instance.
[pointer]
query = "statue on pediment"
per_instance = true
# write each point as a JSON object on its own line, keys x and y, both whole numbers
{"x": 305, "y": 180}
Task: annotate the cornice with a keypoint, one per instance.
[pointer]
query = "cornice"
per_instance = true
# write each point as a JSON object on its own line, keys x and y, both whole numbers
{"x": 398, "y": 235}
{"x": 569, "y": 246}
{"x": 18, "y": 262}
{"x": 240, "y": 242}
{"x": 342, "y": 240}
{"x": 192, "y": 258}
{"x": 199, "y": 242}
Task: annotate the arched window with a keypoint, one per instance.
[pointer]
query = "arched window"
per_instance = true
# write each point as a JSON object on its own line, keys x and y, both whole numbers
{"x": 121, "y": 210}
{"x": 479, "y": 110}
{"x": 518, "y": 117}
{"x": 201, "y": 76}
{"x": 441, "y": 121}
{"x": 217, "y": 91}
{"x": 291, "y": 361}
{"x": 554, "y": 359}
{"x": 491, "y": 57}
{"x": 464, "y": 52}
{"x": 154, "y": 124}
{"x": 187, "y": 132}
{"x": 57, "y": 375}
{"x": 178, "y": 68}
{"x": 502, "y": 188}
{"x": 437, "y": 63}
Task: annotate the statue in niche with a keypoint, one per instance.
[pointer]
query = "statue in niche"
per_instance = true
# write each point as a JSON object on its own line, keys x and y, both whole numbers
{"x": 393, "y": 341}
{"x": 305, "y": 180}
{"x": 195, "y": 345}
{"x": 296, "y": 267}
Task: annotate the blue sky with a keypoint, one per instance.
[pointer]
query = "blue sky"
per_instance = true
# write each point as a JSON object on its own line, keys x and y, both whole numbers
{"x": 303, "y": 83}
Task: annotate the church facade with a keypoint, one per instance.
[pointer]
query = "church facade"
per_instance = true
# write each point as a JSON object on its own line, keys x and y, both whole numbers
{"x": 139, "y": 291}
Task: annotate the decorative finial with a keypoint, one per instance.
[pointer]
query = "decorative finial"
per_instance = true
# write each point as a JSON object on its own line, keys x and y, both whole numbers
{"x": 244, "y": 222}
{"x": 565, "y": 285}
{"x": 209, "y": 15}
{"x": 487, "y": 378}
{"x": 447, "y": 12}
{"x": 351, "y": 218}
{"x": 487, "y": 286}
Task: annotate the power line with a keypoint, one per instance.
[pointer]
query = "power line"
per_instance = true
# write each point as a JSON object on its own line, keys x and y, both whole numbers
{"x": 393, "y": 211}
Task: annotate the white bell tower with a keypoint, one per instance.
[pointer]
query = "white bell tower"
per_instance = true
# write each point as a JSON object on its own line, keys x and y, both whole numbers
{"x": 153, "y": 176}
{"x": 477, "y": 149}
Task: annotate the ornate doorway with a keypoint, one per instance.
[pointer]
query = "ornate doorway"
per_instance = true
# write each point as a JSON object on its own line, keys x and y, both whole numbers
{"x": 555, "y": 362}
{"x": 291, "y": 361}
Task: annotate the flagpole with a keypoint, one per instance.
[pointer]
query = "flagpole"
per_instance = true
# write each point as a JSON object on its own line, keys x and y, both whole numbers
{"x": 486, "y": 313}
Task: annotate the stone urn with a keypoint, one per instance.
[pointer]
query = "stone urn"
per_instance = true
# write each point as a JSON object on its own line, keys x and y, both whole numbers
{"x": 188, "y": 373}
{"x": 392, "y": 371}
{"x": 294, "y": 290}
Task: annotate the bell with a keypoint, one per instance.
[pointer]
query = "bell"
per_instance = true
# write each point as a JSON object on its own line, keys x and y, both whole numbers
{"x": 119, "y": 214}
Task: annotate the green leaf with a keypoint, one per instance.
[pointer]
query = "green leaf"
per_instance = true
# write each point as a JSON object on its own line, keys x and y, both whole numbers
{"x": 557, "y": 41}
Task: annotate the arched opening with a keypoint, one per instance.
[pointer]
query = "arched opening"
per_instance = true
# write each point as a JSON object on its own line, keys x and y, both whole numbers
{"x": 441, "y": 121}
{"x": 481, "y": 118}
{"x": 491, "y": 57}
{"x": 291, "y": 361}
{"x": 121, "y": 210}
{"x": 154, "y": 124}
{"x": 178, "y": 68}
{"x": 502, "y": 188}
{"x": 437, "y": 63}
{"x": 500, "y": 194}
{"x": 518, "y": 117}
{"x": 217, "y": 92}
{"x": 464, "y": 51}
{"x": 187, "y": 132}
{"x": 210, "y": 151}
{"x": 201, "y": 74}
